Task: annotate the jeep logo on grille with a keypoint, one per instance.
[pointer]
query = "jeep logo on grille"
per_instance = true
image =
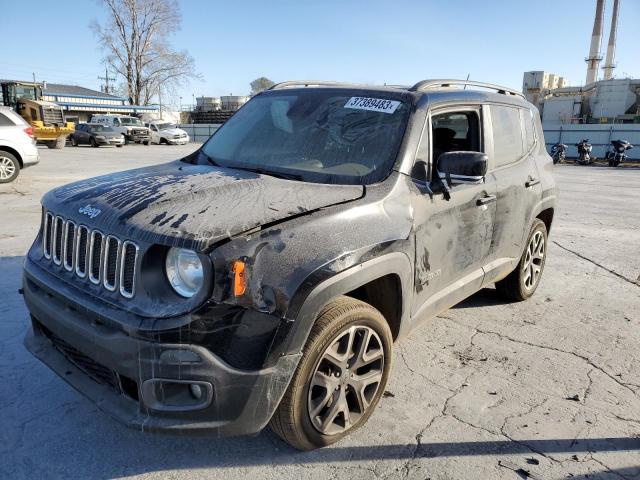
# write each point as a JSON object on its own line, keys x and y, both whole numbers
{"x": 90, "y": 211}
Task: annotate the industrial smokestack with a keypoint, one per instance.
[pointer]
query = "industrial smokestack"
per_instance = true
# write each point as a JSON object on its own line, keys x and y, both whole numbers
{"x": 611, "y": 48}
{"x": 593, "y": 61}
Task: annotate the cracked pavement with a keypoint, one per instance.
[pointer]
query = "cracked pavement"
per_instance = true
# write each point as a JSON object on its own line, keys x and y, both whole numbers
{"x": 544, "y": 389}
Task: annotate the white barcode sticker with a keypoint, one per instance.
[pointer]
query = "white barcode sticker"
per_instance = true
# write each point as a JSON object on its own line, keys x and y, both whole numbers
{"x": 372, "y": 104}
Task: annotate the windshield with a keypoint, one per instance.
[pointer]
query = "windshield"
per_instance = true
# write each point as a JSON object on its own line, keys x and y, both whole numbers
{"x": 100, "y": 128}
{"x": 164, "y": 126}
{"x": 318, "y": 135}
{"x": 130, "y": 121}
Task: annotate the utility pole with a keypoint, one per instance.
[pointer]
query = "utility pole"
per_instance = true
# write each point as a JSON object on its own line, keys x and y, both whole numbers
{"x": 160, "y": 100}
{"x": 106, "y": 78}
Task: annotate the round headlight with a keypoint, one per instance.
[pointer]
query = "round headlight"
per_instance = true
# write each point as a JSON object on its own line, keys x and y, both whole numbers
{"x": 184, "y": 271}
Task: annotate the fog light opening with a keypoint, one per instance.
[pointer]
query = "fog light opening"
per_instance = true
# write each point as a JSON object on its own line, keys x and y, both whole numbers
{"x": 196, "y": 391}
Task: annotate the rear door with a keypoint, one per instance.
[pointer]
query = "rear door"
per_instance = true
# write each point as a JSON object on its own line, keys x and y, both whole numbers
{"x": 452, "y": 236}
{"x": 517, "y": 179}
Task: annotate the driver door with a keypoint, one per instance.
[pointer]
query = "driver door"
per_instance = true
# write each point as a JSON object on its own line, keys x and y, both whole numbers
{"x": 452, "y": 236}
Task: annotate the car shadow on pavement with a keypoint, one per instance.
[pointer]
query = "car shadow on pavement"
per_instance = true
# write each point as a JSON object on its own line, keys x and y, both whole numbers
{"x": 486, "y": 297}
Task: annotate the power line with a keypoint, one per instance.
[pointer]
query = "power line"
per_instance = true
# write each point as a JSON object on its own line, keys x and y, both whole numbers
{"x": 105, "y": 87}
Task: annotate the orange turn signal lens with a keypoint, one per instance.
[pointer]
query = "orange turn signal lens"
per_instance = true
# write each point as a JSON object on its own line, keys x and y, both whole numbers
{"x": 239, "y": 278}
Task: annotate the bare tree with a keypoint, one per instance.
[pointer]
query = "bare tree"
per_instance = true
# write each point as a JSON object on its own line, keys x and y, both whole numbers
{"x": 260, "y": 84}
{"x": 134, "y": 38}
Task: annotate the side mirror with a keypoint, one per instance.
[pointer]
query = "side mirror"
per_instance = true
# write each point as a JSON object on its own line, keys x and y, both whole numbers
{"x": 462, "y": 167}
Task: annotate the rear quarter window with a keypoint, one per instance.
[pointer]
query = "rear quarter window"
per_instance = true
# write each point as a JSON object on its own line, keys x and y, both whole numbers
{"x": 528, "y": 128}
{"x": 508, "y": 145}
{"x": 9, "y": 118}
{"x": 4, "y": 121}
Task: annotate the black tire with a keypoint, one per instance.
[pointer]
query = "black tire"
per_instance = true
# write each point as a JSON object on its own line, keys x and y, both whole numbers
{"x": 292, "y": 421}
{"x": 513, "y": 286}
{"x": 74, "y": 142}
{"x": 146, "y": 142}
{"x": 119, "y": 146}
{"x": 93, "y": 142}
{"x": 8, "y": 161}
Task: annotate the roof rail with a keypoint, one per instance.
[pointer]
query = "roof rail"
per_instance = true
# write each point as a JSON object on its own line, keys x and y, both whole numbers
{"x": 307, "y": 83}
{"x": 434, "y": 83}
{"x": 323, "y": 83}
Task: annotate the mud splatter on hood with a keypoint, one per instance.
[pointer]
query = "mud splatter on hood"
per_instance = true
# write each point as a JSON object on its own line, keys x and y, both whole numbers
{"x": 194, "y": 205}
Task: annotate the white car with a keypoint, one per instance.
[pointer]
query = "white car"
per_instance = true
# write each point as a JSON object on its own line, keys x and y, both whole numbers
{"x": 131, "y": 127}
{"x": 17, "y": 145}
{"x": 168, "y": 133}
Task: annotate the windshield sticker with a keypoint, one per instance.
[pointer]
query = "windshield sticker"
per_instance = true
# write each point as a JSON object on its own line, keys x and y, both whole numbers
{"x": 372, "y": 104}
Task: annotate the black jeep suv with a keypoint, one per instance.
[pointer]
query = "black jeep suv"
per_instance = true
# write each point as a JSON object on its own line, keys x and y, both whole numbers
{"x": 264, "y": 278}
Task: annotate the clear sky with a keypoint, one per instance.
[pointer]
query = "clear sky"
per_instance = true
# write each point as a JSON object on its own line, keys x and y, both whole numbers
{"x": 371, "y": 41}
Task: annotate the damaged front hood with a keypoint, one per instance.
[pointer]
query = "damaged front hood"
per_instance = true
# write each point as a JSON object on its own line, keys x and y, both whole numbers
{"x": 193, "y": 206}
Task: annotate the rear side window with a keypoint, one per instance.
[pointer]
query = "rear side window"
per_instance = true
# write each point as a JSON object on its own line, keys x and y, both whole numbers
{"x": 527, "y": 123}
{"x": 508, "y": 146}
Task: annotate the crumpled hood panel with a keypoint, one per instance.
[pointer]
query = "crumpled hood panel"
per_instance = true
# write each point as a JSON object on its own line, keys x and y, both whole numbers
{"x": 190, "y": 205}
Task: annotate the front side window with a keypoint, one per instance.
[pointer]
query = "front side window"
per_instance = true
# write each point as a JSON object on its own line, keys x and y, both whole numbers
{"x": 507, "y": 135}
{"x": 316, "y": 135}
{"x": 454, "y": 132}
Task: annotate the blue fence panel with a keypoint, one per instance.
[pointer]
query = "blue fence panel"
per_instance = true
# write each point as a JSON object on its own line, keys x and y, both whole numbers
{"x": 199, "y": 132}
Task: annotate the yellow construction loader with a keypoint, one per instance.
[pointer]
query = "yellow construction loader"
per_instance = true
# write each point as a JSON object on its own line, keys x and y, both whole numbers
{"x": 46, "y": 118}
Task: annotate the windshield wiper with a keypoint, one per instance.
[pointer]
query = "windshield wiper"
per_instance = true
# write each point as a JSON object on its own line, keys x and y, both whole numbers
{"x": 262, "y": 171}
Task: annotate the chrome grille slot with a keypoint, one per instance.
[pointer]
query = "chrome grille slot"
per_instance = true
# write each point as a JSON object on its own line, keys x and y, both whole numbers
{"x": 47, "y": 235}
{"x": 111, "y": 258}
{"x": 82, "y": 250}
{"x": 102, "y": 258}
{"x": 58, "y": 233}
{"x": 69, "y": 244}
{"x": 129, "y": 256}
{"x": 95, "y": 256}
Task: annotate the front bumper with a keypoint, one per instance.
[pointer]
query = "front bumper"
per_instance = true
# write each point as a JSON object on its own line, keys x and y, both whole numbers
{"x": 178, "y": 141}
{"x": 111, "y": 141}
{"x": 145, "y": 384}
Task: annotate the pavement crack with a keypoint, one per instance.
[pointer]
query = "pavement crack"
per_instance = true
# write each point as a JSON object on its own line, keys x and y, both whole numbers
{"x": 612, "y": 272}
{"x": 559, "y": 350}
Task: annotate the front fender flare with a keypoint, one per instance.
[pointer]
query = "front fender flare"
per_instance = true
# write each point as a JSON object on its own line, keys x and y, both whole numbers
{"x": 392, "y": 263}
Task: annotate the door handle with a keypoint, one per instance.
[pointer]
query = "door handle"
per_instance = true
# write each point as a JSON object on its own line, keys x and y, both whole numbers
{"x": 531, "y": 182}
{"x": 486, "y": 200}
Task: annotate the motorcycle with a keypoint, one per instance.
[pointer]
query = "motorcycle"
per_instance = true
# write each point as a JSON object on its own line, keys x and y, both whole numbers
{"x": 616, "y": 155}
{"x": 584, "y": 152}
{"x": 558, "y": 152}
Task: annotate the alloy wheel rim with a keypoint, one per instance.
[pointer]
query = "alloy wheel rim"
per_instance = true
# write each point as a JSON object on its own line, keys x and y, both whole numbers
{"x": 7, "y": 168}
{"x": 346, "y": 380}
{"x": 533, "y": 260}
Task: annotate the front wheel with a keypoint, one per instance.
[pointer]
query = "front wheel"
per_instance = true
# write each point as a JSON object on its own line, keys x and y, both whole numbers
{"x": 340, "y": 378}
{"x": 94, "y": 144}
{"x": 523, "y": 281}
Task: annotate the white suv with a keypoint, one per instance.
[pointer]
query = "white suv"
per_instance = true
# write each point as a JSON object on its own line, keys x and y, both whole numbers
{"x": 131, "y": 127}
{"x": 17, "y": 145}
{"x": 166, "y": 132}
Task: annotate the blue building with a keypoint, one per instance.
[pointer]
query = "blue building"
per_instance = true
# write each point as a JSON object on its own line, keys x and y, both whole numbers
{"x": 79, "y": 103}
